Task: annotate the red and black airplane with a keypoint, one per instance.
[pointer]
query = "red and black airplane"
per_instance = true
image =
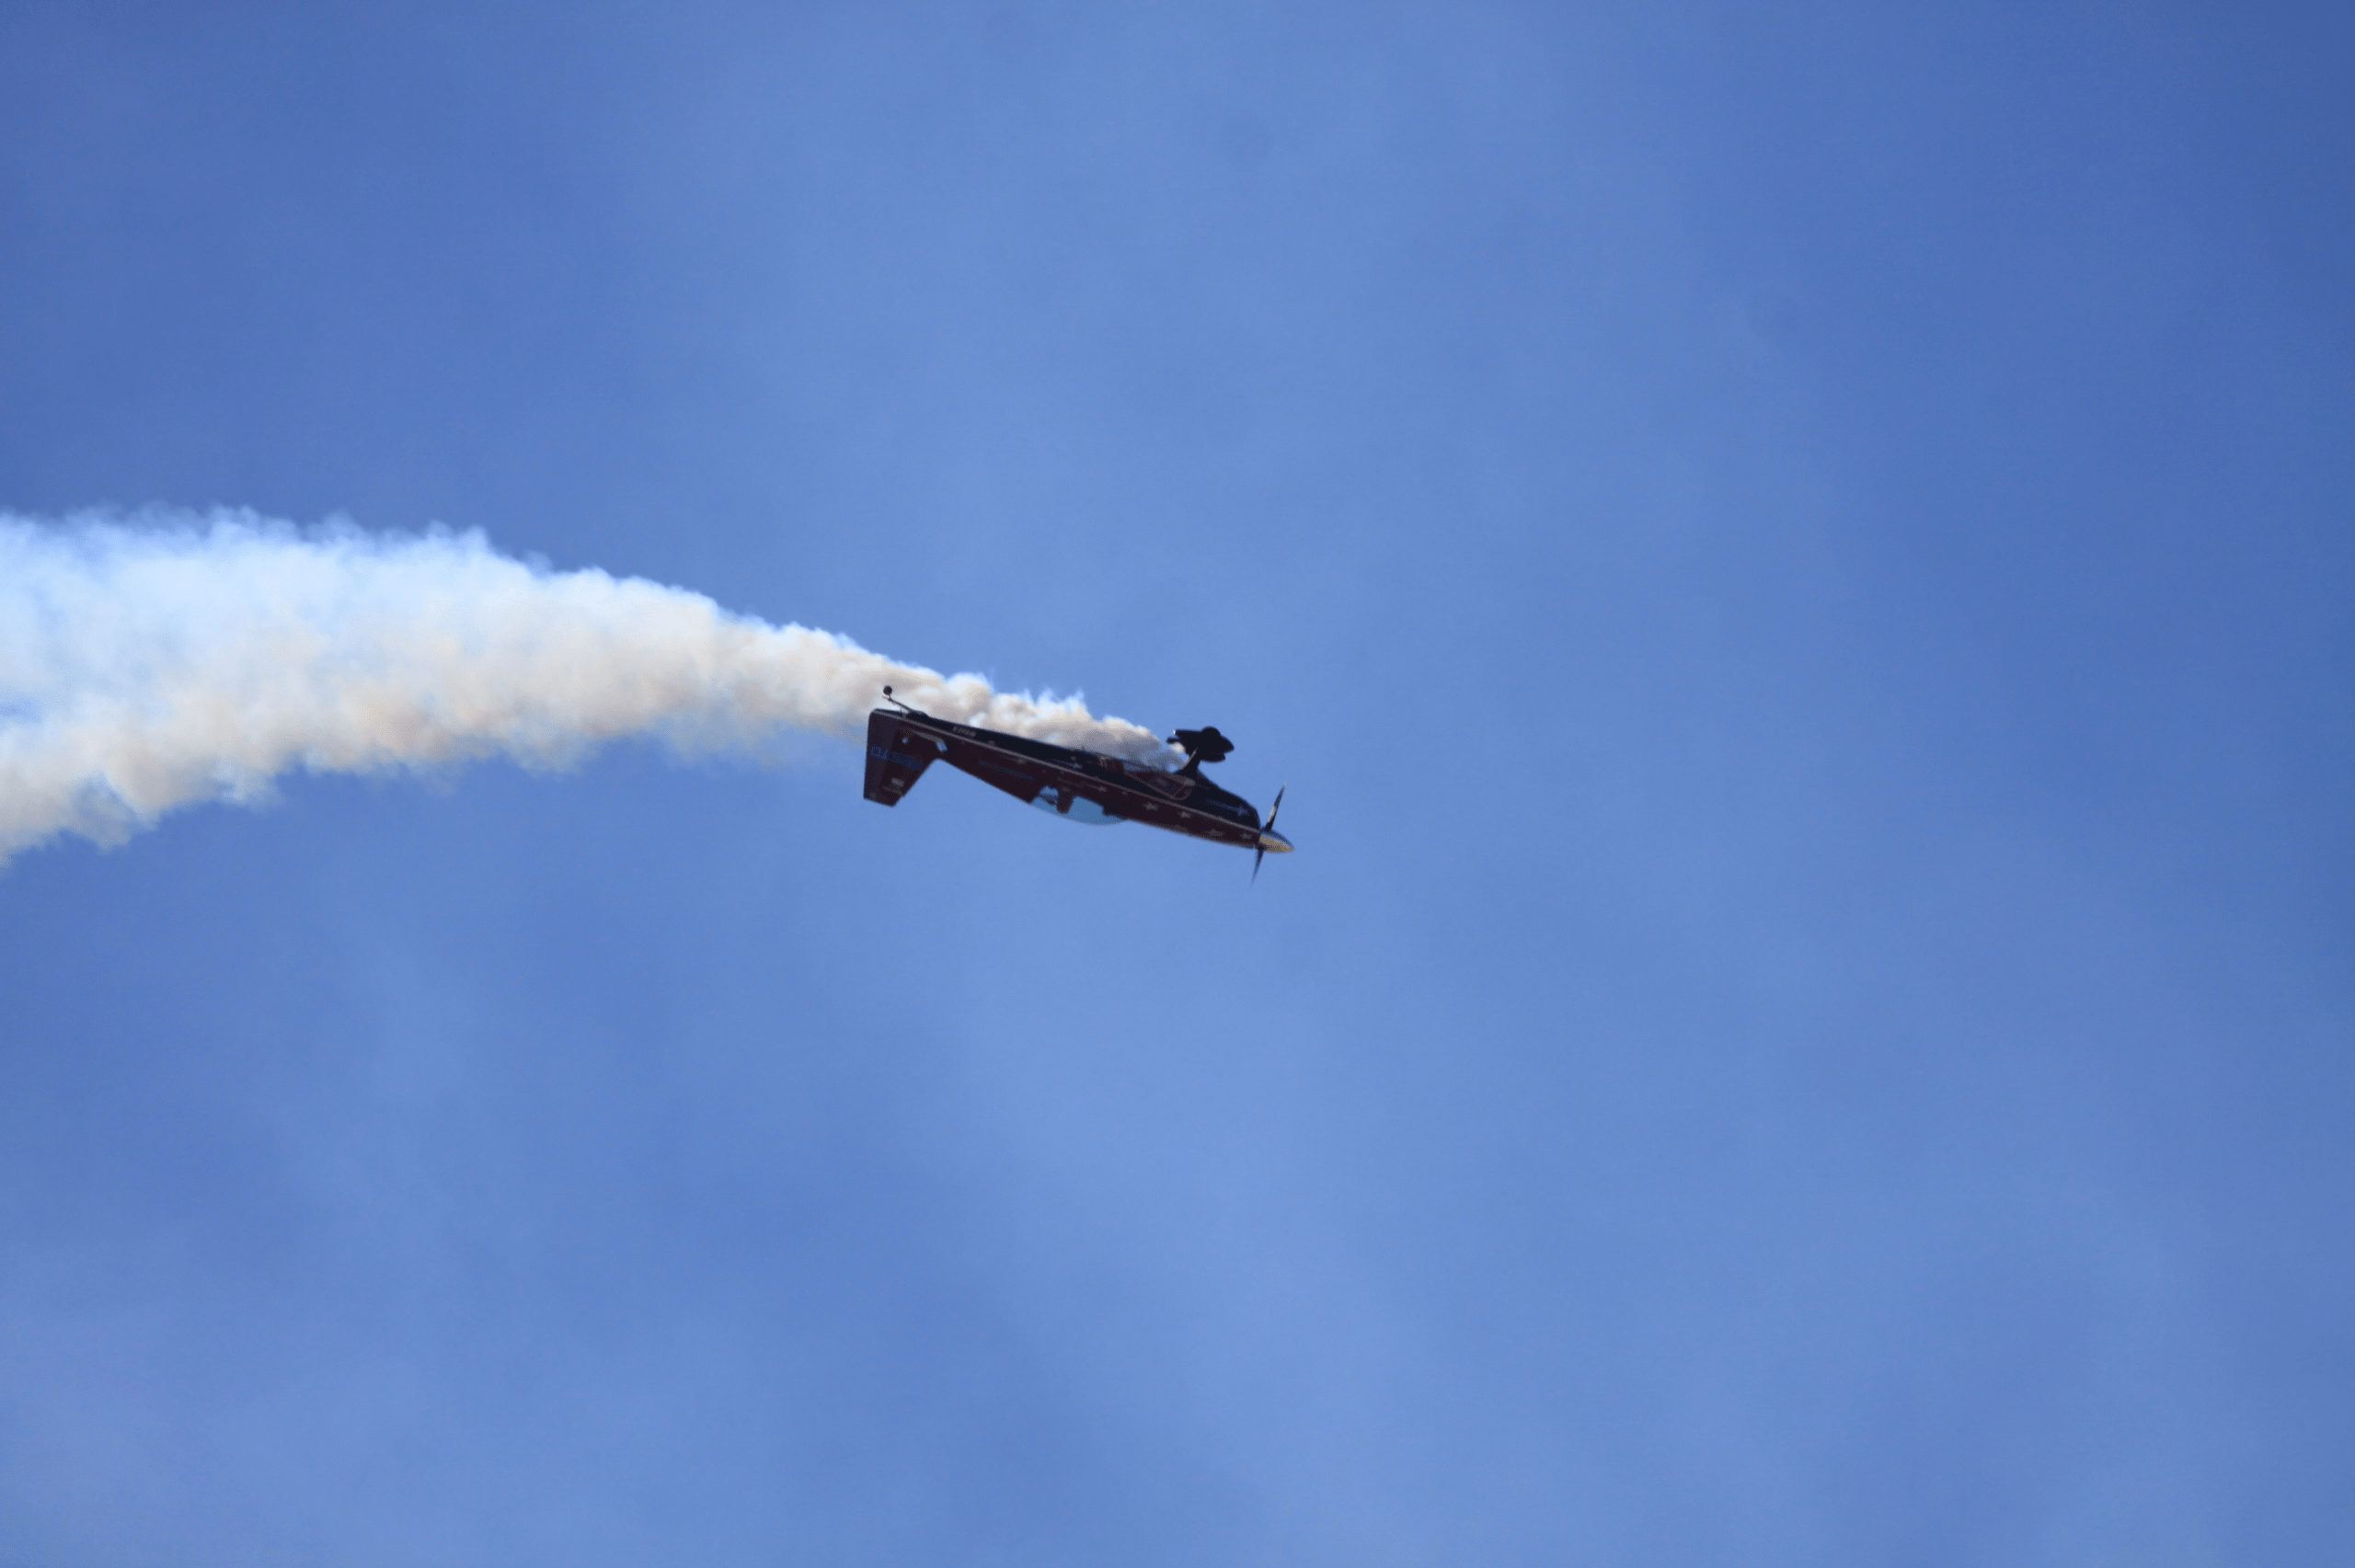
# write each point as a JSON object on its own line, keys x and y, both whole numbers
{"x": 1080, "y": 786}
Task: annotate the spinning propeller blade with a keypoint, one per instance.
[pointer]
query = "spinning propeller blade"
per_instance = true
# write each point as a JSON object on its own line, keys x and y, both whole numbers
{"x": 1269, "y": 827}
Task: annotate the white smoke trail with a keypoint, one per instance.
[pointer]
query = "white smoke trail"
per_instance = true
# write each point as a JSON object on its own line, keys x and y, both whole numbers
{"x": 173, "y": 660}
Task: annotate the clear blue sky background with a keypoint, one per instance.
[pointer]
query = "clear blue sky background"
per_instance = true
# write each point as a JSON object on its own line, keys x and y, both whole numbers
{"x": 1797, "y": 563}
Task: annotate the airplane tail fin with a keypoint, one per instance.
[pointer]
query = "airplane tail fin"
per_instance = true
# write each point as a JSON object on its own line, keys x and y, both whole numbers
{"x": 896, "y": 757}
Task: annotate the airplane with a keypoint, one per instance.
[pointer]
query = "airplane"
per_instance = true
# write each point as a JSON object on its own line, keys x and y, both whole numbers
{"x": 1079, "y": 786}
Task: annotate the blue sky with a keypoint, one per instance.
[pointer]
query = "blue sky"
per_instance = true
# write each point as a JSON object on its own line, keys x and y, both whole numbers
{"x": 1795, "y": 564}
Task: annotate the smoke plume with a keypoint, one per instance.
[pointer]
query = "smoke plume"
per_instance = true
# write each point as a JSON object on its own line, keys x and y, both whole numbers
{"x": 168, "y": 660}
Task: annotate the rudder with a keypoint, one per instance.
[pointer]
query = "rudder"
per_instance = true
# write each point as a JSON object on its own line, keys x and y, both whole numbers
{"x": 896, "y": 757}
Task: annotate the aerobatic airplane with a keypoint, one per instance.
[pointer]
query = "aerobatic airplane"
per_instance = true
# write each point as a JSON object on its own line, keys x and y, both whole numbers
{"x": 1080, "y": 786}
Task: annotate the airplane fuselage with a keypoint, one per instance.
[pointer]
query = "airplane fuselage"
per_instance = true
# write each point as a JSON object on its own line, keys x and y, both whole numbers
{"x": 1085, "y": 786}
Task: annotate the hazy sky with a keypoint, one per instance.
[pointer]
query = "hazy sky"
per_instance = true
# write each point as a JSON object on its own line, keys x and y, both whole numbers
{"x": 1796, "y": 563}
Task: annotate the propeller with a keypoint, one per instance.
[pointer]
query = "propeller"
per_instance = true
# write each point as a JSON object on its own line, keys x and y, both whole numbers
{"x": 1269, "y": 827}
